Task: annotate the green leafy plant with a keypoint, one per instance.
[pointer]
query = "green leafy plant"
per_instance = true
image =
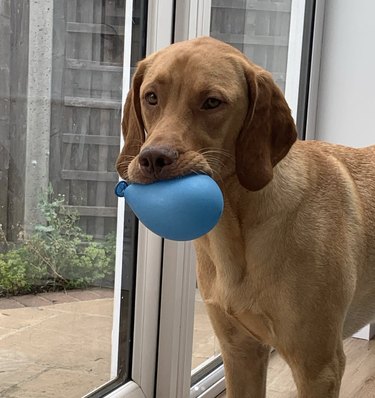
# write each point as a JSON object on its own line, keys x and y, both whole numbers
{"x": 57, "y": 254}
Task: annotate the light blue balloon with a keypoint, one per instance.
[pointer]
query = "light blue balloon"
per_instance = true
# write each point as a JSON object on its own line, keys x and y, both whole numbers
{"x": 181, "y": 209}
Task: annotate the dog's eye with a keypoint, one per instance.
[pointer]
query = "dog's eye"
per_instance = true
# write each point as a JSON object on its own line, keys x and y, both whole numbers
{"x": 151, "y": 98}
{"x": 211, "y": 103}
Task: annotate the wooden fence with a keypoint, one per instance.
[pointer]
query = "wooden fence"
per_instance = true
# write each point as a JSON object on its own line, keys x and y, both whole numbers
{"x": 4, "y": 107}
{"x": 14, "y": 38}
{"x": 86, "y": 107}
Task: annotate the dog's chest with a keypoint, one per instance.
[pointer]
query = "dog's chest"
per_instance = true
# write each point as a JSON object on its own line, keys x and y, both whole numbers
{"x": 244, "y": 304}
{"x": 231, "y": 279}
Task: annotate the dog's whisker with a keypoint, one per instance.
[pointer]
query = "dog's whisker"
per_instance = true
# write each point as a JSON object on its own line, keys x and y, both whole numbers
{"x": 223, "y": 152}
{"x": 122, "y": 163}
{"x": 126, "y": 158}
{"x": 137, "y": 141}
{"x": 215, "y": 154}
{"x": 213, "y": 161}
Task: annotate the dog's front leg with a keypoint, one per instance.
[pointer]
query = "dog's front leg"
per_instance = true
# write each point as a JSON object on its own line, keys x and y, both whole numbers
{"x": 245, "y": 359}
{"x": 317, "y": 361}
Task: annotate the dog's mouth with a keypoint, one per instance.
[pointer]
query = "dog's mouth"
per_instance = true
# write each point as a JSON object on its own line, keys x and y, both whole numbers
{"x": 141, "y": 172}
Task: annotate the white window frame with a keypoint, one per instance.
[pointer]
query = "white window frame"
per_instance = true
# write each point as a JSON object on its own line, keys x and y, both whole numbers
{"x": 176, "y": 320}
{"x": 120, "y": 202}
{"x": 293, "y": 67}
{"x": 147, "y": 290}
{"x": 312, "y": 105}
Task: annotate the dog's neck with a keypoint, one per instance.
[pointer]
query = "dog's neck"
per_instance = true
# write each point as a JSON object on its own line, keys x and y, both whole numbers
{"x": 281, "y": 195}
{"x": 246, "y": 217}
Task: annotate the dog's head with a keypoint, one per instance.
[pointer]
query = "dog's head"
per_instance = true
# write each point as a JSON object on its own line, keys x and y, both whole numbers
{"x": 201, "y": 106}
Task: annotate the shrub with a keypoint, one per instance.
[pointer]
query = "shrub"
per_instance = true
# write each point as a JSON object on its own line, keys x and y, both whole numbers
{"x": 13, "y": 272}
{"x": 57, "y": 254}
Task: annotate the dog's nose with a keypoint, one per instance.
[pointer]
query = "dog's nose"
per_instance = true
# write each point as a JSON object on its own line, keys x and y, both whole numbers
{"x": 153, "y": 159}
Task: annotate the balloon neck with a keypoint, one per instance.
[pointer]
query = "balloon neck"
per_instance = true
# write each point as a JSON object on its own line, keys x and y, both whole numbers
{"x": 120, "y": 188}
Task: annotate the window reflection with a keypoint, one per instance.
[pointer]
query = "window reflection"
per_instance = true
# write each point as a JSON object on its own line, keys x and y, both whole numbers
{"x": 259, "y": 29}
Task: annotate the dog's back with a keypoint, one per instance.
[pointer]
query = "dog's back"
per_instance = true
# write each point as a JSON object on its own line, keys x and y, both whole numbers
{"x": 358, "y": 164}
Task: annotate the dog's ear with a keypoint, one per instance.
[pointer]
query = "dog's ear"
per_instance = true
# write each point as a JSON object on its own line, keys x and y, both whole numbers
{"x": 132, "y": 123}
{"x": 268, "y": 131}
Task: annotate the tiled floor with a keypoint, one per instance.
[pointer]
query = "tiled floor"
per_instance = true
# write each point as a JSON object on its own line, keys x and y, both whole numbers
{"x": 59, "y": 345}
{"x": 359, "y": 377}
{"x": 358, "y": 380}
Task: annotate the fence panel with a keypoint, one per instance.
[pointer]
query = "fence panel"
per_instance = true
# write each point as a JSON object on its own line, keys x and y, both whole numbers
{"x": 86, "y": 111}
{"x": 259, "y": 28}
{"x": 4, "y": 109}
{"x": 19, "y": 41}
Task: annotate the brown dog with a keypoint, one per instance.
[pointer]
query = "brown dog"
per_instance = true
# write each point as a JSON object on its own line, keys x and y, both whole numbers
{"x": 291, "y": 264}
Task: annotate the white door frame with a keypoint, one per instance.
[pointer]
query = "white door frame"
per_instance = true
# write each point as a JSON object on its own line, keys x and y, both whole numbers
{"x": 176, "y": 320}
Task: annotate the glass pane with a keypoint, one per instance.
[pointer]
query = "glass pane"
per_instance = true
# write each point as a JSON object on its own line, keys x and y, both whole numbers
{"x": 260, "y": 29}
{"x": 61, "y": 65}
{"x": 205, "y": 343}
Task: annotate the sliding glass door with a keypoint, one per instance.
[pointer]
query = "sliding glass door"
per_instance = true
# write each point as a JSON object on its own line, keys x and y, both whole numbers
{"x": 276, "y": 35}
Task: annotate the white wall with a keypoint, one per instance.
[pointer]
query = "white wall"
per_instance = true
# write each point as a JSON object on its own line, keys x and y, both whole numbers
{"x": 346, "y": 96}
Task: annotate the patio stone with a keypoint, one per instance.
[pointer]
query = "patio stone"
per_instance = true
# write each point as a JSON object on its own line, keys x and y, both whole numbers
{"x": 64, "y": 350}
{"x": 6, "y": 303}
{"x": 103, "y": 292}
{"x": 84, "y": 295}
{"x": 57, "y": 297}
{"x": 20, "y": 318}
{"x": 15, "y": 369}
{"x": 203, "y": 343}
{"x": 5, "y": 332}
{"x": 32, "y": 300}
{"x": 61, "y": 350}
{"x": 57, "y": 383}
{"x": 98, "y": 307}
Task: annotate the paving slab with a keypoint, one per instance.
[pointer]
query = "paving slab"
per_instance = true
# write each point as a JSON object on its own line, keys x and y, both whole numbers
{"x": 53, "y": 383}
{"x": 15, "y": 369}
{"x": 6, "y": 303}
{"x": 203, "y": 343}
{"x": 84, "y": 295}
{"x": 98, "y": 307}
{"x": 103, "y": 293}
{"x": 55, "y": 351}
{"x": 6, "y": 331}
{"x": 58, "y": 297}
{"x": 20, "y": 318}
{"x": 50, "y": 298}
{"x": 62, "y": 349}
{"x": 31, "y": 300}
